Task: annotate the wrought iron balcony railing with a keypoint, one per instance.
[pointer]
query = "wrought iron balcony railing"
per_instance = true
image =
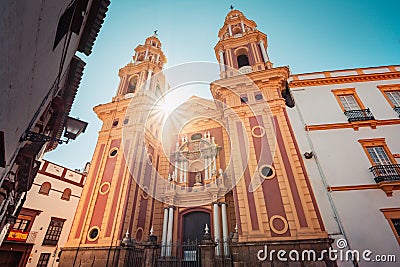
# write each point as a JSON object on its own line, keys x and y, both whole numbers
{"x": 359, "y": 115}
{"x": 397, "y": 109}
{"x": 386, "y": 173}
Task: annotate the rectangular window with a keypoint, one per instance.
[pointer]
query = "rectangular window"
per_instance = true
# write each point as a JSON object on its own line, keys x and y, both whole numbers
{"x": 21, "y": 225}
{"x": 396, "y": 225}
{"x": 43, "y": 260}
{"x": 392, "y": 94}
{"x": 384, "y": 167}
{"x": 378, "y": 155}
{"x": 53, "y": 232}
{"x": 392, "y": 215}
{"x": 348, "y": 99}
{"x": 377, "y": 151}
{"x": 394, "y": 97}
{"x": 352, "y": 106}
{"x": 349, "y": 102}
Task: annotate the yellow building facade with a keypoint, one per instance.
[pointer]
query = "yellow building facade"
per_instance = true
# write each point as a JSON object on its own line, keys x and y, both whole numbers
{"x": 226, "y": 170}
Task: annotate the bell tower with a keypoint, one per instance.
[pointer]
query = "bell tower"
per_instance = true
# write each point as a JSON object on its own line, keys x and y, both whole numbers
{"x": 115, "y": 206}
{"x": 273, "y": 197}
{"x": 147, "y": 60}
{"x": 241, "y": 46}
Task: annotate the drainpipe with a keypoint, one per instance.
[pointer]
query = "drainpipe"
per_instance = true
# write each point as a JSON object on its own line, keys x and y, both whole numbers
{"x": 324, "y": 181}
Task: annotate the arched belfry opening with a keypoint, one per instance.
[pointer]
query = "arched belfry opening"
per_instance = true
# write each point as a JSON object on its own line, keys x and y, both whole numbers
{"x": 132, "y": 85}
{"x": 243, "y": 60}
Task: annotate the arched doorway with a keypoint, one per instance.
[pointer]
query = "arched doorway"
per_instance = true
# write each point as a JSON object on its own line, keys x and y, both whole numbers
{"x": 193, "y": 225}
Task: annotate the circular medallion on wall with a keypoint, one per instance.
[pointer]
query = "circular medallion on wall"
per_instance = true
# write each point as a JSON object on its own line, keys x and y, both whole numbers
{"x": 266, "y": 171}
{"x": 93, "y": 233}
{"x": 258, "y": 131}
{"x": 113, "y": 152}
{"x": 104, "y": 188}
{"x": 278, "y": 224}
{"x": 139, "y": 234}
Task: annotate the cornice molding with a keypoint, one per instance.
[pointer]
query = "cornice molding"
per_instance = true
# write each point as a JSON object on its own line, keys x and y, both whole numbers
{"x": 355, "y": 125}
{"x": 346, "y": 79}
{"x": 387, "y": 187}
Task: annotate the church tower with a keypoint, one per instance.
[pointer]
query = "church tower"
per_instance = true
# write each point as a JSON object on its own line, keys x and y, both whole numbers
{"x": 115, "y": 201}
{"x": 273, "y": 197}
{"x": 226, "y": 168}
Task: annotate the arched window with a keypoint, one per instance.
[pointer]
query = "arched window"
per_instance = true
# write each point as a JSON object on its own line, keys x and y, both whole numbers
{"x": 243, "y": 60}
{"x": 45, "y": 188}
{"x": 236, "y": 30}
{"x": 66, "y": 194}
{"x": 132, "y": 85}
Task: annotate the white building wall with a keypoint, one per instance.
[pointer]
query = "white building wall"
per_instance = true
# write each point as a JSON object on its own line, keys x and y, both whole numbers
{"x": 52, "y": 206}
{"x": 321, "y": 99}
{"x": 339, "y": 160}
{"x": 29, "y": 64}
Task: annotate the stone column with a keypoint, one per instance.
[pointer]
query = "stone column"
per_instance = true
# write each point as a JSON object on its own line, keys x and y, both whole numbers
{"x": 263, "y": 51}
{"x": 210, "y": 162}
{"x": 121, "y": 86}
{"x": 185, "y": 171}
{"x": 206, "y": 168}
{"x": 148, "y": 80}
{"x": 230, "y": 30}
{"x": 175, "y": 172}
{"x": 181, "y": 172}
{"x": 217, "y": 231}
{"x": 241, "y": 23}
{"x": 221, "y": 60}
{"x": 214, "y": 166}
{"x": 146, "y": 54}
{"x": 170, "y": 231}
{"x": 164, "y": 232}
{"x": 225, "y": 234}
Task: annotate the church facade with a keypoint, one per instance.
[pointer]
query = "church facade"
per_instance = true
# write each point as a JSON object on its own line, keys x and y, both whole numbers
{"x": 226, "y": 171}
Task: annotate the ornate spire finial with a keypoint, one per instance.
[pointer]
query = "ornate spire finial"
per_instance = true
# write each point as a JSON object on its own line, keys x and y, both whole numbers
{"x": 231, "y": 7}
{"x": 126, "y": 240}
{"x": 152, "y": 230}
{"x": 155, "y": 33}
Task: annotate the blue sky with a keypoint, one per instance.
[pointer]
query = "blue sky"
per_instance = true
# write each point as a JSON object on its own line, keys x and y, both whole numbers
{"x": 306, "y": 35}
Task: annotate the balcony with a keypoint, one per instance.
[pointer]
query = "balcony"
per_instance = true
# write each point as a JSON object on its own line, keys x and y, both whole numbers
{"x": 359, "y": 115}
{"x": 397, "y": 109}
{"x": 386, "y": 173}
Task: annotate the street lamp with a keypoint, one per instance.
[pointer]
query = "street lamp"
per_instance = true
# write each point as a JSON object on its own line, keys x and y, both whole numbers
{"x": 73, "y": 128}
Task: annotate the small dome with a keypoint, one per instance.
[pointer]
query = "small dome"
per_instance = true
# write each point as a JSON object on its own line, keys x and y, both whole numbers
{"x": 234, "y": 14}
{"x": 153, "y": 41}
